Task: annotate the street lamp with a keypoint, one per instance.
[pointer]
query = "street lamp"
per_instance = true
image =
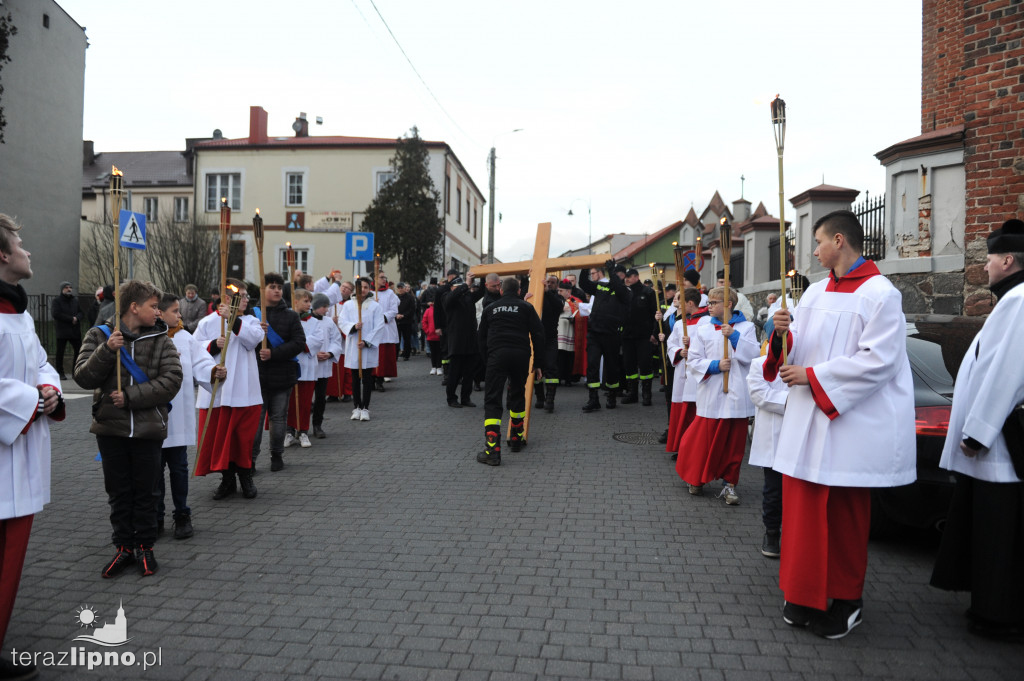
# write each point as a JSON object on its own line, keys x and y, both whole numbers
{"x": 589, "y": 222}
{"x": 490, "y": 211}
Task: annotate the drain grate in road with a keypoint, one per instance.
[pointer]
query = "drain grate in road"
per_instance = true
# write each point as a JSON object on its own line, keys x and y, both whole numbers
{"x": 642, "y": 438}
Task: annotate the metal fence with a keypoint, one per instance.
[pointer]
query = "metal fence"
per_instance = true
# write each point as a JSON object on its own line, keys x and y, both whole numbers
{"x": 871, "y": 214}
{"x": 39, "y": 307}
{"x": 774, "y": 260}
{"x": 736, "y": 269}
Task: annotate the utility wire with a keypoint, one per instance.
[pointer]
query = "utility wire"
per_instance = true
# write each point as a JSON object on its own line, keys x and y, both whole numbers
{"x": 413, "y": 67}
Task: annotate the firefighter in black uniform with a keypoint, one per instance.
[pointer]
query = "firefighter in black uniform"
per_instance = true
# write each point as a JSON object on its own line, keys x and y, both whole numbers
{"x": 507, "y": 327}
{"x": 637, "y": 333}
{"x": 610, "y": 298}
{"x": 547, "y": 357}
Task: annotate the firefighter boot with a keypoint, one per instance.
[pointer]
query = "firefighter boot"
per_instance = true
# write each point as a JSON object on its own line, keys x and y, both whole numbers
{"x": 645, "y": 391}
{"x": 538, "y": 391}
{"x": 594, "y": 403}
{"x": 549, "y": 397}
{"x": 516, "y": 440}
{"x": 492, "y": 444}
{"x": 631, "y": 396}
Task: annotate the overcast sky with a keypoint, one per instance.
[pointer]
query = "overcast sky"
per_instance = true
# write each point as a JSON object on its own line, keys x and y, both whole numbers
{"x": 643, "y": 108}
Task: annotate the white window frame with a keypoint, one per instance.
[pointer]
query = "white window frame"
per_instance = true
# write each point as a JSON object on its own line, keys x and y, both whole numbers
{"x": 181, "y": 209}
{"x": 147, "y": 203}
{"x": 235, "y": 207}
{"x": 303, "y": 259}
{"x": 286, "y": 175}
{"x": 379, "y": 175}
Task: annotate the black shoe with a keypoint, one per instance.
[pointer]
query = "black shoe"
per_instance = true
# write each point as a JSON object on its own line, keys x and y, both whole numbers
{"x": 610, "y": 402}
{"x": 122, "y": 559}
{"x": 489, "y": 459}
{"x": 468, "y": 403}
{"x": 319, "y": 433}
{"x": 227, "y": 486}
{"x": 276, "y": 464}
{"x": 332, "y": 398}
{"x": 245, "y": 480}
{"x": 675, "y": 457}
{"x": 454, "y": 405}
{"x": 840, "y": 619}
{"x": 147, "y": 561}
{"x": 770, "y": 546}
{"x": 663, "y": 438}
{"x": 17, "y": 672}
{"x": 346, "y": 398}
{"x": 379, "y": 385}
{"x": 630, "y": 398}
{"x": 183, "y": 526}
{"x": 800, "y": 615}
{"x": 593, "y": 404}
{"x": 515, "y": 445}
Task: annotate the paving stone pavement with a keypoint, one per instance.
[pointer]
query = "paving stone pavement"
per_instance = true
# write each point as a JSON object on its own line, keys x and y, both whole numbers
{"x": 387, "y": 552}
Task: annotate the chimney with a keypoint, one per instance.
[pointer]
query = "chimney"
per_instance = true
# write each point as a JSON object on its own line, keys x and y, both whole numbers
{"x": 257, "y": 125}
{"x": 740, "y": 211}
{"x": 88, "y": 152}
{"x": 301, "y": 125}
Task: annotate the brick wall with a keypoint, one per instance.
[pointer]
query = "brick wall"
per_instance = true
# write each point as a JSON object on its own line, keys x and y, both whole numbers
{"x": 972, "y": 74}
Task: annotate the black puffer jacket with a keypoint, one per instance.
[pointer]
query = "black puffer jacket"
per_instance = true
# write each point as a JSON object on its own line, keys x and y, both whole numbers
{"x": 610, "y": 299}
{"x": 640, "y": 322}
{"x": 280, "y": 371}
{"x": 145, "y": 413}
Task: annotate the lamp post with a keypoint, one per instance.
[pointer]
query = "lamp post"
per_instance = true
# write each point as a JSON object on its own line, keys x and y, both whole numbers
{"x": 490, "y": 201}
{"x": 590, "y": 237}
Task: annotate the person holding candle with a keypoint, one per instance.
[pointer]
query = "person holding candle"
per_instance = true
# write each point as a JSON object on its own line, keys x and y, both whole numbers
{"x": 714, "y": 443}
{"x": 848, "y": 427}
{"x": 278, "y": 367}
{"x": 129, "y": 417}
{"x": 30, "y": 398}
{"x": 234, "y": 414}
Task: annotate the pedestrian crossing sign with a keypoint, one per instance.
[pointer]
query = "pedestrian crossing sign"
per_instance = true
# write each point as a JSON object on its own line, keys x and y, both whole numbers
{"x": 133, "y": 230}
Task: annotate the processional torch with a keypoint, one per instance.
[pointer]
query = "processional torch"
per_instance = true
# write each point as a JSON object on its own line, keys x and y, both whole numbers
{"x": 661, "y": 329}
{"x": 679, "y": 252}
{"x": 116, "y": 196}
{"x": 257, "y": 236}
{"x": 779, "y": 125}
{"x": 236, "y": 298}
{"x": 225, "y": 234}
{"x": 725, "y": 244}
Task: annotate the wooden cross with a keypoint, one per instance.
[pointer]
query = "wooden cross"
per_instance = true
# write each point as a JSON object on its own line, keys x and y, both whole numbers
{"x": 538, "y": 269}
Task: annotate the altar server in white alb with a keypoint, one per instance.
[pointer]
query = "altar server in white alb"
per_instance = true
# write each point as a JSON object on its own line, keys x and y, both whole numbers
{"x": 684, "y": 393}
{"x": 769, "y": 398}
{"x": 387, "y": 366}
{"x": 235, "y": 415}
{"x": 849, "y": 426}
{"x": 361, "y": 344}
{"x": 29, "y": 397}
{"x": 982, "y": 547}
{"x": 712, "y": 447}
{"x": 327, "y": 359}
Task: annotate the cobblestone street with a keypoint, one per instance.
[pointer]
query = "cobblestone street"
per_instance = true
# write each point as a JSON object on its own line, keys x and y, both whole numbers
{"x": 387, "y": 552}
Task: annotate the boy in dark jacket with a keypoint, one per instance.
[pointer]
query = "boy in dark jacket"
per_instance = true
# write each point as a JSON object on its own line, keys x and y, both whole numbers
{"x": 279, "y": 371}
{"x": 130, "y": 423}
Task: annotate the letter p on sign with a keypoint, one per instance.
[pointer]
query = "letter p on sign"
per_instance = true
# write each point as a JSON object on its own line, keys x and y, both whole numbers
{"x": 359, "y": 245}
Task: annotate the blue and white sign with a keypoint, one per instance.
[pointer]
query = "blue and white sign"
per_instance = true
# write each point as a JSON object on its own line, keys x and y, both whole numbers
{"x": 133, "y": 230}
{"x": 358, "y": 245}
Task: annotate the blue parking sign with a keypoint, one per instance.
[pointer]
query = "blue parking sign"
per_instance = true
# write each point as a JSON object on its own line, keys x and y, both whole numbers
{"x": 358, "y": 245}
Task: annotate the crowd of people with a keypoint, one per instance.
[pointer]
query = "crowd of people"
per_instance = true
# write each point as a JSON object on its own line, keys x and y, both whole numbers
{"x": 826, "y": 379}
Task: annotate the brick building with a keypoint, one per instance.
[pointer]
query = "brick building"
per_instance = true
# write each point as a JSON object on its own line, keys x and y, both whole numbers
{"x": 973, "y": 81}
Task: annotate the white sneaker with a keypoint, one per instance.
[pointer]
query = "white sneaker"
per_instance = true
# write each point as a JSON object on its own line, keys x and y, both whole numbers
{"x": 387, "y": 380}
{"x": 356, "y": 413}
{"x": 304, "y": 440}
{"x": 729, "y": 493}
{"x": 365, "y": 415}
{"x": 431, "y": 371}
{"x": 289, "y": 440}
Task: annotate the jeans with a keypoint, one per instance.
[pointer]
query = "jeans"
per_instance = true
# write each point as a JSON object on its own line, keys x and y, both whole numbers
{"x": 131, "y": 469}
{"x": 175, "y": 460}
{"x": 276, "y": 402}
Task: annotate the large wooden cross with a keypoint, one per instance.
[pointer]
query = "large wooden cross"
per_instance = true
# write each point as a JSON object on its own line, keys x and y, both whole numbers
{"x": 538, "y": 269}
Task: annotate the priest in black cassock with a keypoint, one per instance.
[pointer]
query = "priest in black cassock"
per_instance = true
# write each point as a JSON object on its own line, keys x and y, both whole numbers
{"x": 982, "y": 547}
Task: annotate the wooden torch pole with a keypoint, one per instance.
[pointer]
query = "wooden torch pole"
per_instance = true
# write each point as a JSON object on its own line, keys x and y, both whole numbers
{"x": 257, "y": 235}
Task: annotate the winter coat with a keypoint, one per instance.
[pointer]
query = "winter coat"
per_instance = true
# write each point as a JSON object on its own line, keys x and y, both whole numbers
{"x": 610, "y": 302}
{"x": 64, "y": 309}
{"x": 406, "y": 308}
{"x": 428, "y": 324}
{"x": 191, "y": 312}
{"x": 460, "y": 309}
{"x": 145, "y": 413}
{"x": 280, "y": 372}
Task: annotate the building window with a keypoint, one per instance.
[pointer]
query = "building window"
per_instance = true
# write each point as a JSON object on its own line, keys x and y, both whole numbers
{"x": 296, "y": 186}
{"x": 467, "y": 214}
{"x": 301, "y": 260}
{"x": 474, "y": 223}
{"x": 448, "y": 194}
{"x": 458, "y": 206}
{"x": 222, "y": 185}
{"x": 149, "y": 204}
{"x": 383, "y": 178}
{"x": 181, "y": 209}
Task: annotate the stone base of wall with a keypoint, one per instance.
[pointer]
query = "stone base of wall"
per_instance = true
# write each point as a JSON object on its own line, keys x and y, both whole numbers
{"x": 931, "y": 292}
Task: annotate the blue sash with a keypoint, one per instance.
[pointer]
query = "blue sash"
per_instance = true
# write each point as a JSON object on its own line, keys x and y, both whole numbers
{"x": 127, "y": 360}
{"x": 274, "y": 338}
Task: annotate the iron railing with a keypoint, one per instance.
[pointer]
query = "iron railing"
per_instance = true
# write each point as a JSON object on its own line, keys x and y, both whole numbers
{"x": 871, "y": 214}
{"x": 773, "y": 256}
{"x": 736, "y": 269}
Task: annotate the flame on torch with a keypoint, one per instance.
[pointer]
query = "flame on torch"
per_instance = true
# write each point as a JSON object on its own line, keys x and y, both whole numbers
{"x": 115, "y": 171}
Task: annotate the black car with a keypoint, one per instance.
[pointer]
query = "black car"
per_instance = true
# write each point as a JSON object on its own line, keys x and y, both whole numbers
{"x": 935, "y": 345}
